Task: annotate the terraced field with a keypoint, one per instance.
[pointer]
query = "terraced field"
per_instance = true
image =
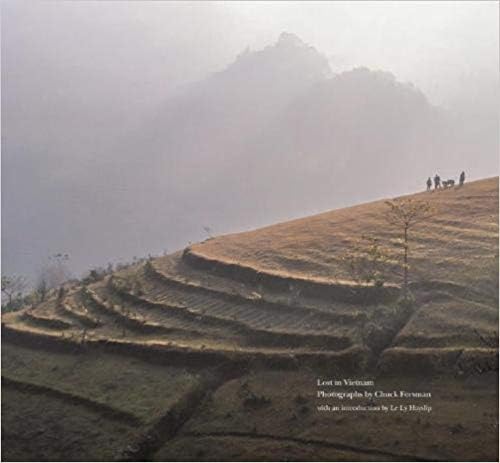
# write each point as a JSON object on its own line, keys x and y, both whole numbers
{"x": 168, "y": 347}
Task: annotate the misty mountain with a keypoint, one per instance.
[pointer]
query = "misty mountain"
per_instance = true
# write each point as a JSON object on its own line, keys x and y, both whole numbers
{"x": 274, "y": 135}
{"x": 346, "y": 136}
{"x": 277, "y": 135}
{"x": 199, "y": 131}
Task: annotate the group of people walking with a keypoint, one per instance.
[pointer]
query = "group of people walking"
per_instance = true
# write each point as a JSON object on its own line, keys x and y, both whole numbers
{"x": 438, "y": 183}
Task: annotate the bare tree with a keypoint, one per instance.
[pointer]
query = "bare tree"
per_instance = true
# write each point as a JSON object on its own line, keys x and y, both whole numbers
{"x": 56, "y": 271}
{"x": 405, "y": 214}
{"x": 52, "y": 274}
{"x": 208, "y": 231}
{"x": 13, "y": 286}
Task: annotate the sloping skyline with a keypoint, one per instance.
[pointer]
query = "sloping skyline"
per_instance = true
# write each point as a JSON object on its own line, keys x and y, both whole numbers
{"x": 83, "y": 84}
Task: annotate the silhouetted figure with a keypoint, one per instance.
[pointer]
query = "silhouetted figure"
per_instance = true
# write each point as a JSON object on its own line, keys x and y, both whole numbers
{"x": 462, "y": 178}
{"x": 437, "y": 182}
{"x": 429, "y": 184}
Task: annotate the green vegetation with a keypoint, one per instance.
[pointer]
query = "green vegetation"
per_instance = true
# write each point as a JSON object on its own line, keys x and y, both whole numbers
{"x": 126, "y": 384}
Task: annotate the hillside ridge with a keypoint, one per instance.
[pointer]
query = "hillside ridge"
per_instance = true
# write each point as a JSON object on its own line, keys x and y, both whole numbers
{"x": 216, "y": 350}
{"x": 282, "y": 289}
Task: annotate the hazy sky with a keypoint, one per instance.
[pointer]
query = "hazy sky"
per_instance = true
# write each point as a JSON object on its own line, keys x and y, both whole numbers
{"x": 80, "y": 77}
{"x": 440, "y": 46}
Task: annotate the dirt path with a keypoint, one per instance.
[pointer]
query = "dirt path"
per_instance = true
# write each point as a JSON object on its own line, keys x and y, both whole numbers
{"x": 170, "y": 424}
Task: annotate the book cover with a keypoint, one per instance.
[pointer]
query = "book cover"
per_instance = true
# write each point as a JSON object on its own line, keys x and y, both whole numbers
{"x": 250, "y": 231}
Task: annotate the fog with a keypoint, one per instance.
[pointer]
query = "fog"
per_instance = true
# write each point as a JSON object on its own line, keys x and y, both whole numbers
{"x": 128, "y": 127}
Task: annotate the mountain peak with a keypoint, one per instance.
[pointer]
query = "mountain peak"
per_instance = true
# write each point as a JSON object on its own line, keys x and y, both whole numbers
{"x": 289, "y": 39}
{"x": 289, "y": 56}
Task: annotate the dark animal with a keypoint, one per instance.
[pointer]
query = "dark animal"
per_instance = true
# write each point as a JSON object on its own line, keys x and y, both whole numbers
{"x": 448, "y": 183}
{"x": 462, "y": 178}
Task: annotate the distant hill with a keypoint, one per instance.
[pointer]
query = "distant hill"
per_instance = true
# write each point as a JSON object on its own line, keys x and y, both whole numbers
{"x": 214, "y": 127}
{"x": 274, "y": 135}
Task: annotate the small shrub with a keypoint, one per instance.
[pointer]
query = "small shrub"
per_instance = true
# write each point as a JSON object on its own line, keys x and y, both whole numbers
{"x": 254, "y": 401}
{"x": 61, "y": 293}
{"x": 376, "y": 336}
{"x": 406, "y": 301}
{"x": 148, "y": 266}
{"x": 94, "y": 275}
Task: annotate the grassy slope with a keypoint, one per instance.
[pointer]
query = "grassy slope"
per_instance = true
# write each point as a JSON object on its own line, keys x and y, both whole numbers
{"x": 454, "y": 256}
{"x": 210, "y": 321}
{"x": 460, "y": 427}
{"x": 458, "y": 244}
{"x": 128, "y": 385}
{"x": 37, "y": 428}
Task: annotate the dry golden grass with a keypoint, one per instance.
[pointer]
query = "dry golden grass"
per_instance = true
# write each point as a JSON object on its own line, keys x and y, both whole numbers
{"x": 457, "y": 244}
